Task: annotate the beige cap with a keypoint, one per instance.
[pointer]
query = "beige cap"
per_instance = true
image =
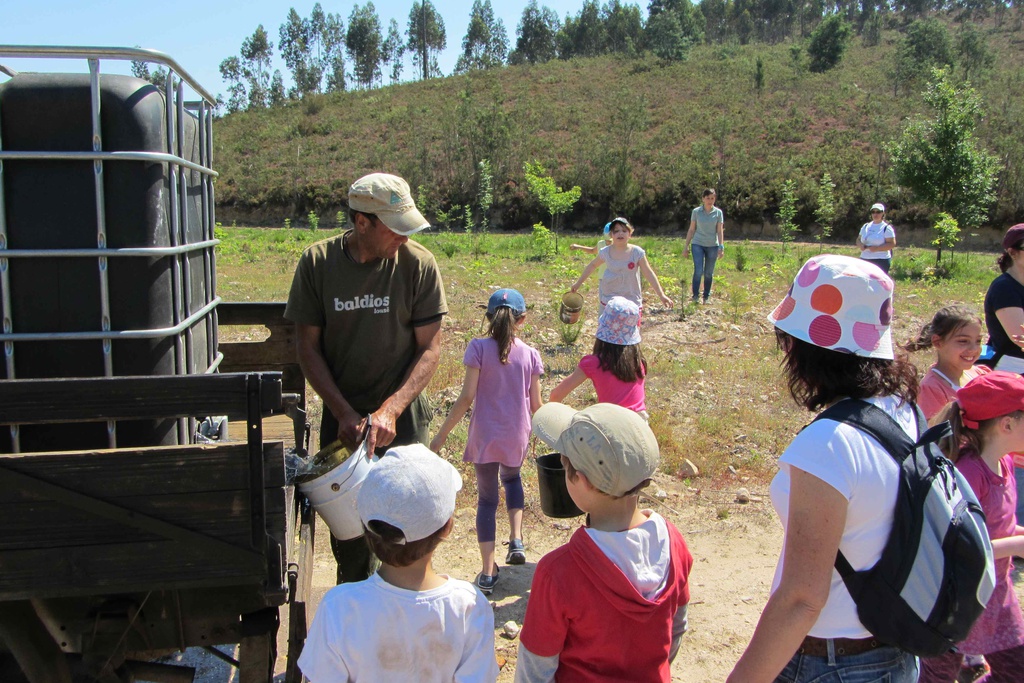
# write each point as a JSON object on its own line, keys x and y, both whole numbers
{"x": 610, "y": 444}
{"x": 388, "y": 198}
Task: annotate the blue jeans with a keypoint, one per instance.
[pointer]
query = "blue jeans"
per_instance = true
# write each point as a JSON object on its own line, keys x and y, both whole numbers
{"x": 704, "y": 259}
{"x": 881, "y": 665}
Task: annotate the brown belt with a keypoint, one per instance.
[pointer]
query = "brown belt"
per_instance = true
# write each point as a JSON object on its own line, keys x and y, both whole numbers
{"x": 818, "y": 647}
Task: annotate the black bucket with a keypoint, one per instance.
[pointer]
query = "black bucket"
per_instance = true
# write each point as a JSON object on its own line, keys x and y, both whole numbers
{"x": 554, "y": 496}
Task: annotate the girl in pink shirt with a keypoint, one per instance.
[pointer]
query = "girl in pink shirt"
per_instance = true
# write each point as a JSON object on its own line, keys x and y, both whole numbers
{"x": 955, "y": 334}
{"x": 617, "y": 366}
{"x": 503, "y": 386}
{"x": 988, "y": 423}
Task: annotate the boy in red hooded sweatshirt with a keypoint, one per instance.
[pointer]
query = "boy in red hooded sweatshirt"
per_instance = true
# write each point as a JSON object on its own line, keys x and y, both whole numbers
{"x": 610, "y": 605}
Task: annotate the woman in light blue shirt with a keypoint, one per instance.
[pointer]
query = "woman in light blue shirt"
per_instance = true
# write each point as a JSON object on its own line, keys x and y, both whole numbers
{"x": 706, "y": 233}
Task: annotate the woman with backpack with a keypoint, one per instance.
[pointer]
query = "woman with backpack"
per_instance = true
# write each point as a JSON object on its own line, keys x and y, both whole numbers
{"x": 837, "y": 487}
{"x": 877, "y": 238}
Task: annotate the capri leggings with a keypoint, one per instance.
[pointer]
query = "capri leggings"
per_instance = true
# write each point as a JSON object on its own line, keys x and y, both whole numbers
{"x": 487, "y": 477}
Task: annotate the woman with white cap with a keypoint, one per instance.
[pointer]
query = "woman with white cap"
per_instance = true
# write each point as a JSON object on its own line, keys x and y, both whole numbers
{"x": 836, "y": 488}
{"x": 877, "y": 238}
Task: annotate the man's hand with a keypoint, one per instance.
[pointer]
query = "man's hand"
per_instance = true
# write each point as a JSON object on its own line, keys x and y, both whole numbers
{"x": 351, "y": 427}
{"x": 382, "y": 428}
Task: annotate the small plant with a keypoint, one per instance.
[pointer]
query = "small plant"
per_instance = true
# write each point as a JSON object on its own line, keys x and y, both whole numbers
{"x": 339, "y": 219}
{"x": 219, "y": 232}
{"x": 737, "y": 302}
{"x": 570, "y": 333}
{"x": 687, "y": 308}
{"x": 722, "y": 513}
{"x": 287, "y": 223}
{"x": 448, "y": 247}
{"x": 787, "y": 212}
{"x": 314, "y": 221}
{"x": 543, "y": 243}
{"x": 739, "y": 256}
{"x": 947, "y": 234}
{"x": 484, "y": 196}
{"x": 826, "y": 211}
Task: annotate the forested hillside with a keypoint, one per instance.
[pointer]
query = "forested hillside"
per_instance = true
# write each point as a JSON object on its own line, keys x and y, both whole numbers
{"x": 640, "y": 134}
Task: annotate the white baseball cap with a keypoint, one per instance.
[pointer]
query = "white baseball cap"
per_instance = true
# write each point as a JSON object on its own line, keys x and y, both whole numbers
{"x": 878, "y": 206}
{"x": 388, "y": 198}
{"x": 412, "y": 489}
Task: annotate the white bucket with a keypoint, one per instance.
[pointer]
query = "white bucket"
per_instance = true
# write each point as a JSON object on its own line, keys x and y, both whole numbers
{"x": 333, "y": 494}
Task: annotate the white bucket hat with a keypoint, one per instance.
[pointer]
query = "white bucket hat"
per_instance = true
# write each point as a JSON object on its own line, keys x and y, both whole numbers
{"x": 839, "y": 303}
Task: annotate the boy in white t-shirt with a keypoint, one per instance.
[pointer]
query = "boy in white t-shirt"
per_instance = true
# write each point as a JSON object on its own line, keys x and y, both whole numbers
{"x": 406, "y": 622}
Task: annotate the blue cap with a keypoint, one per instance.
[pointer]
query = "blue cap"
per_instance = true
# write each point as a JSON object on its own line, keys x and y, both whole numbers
{"x": 509, "y": 298}
{"x": 607, "y": 228}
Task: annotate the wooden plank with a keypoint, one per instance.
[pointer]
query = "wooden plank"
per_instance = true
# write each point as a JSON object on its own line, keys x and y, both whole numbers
{"x": 251, "y": 313}
{"x": 116, "y": 398}
{"x": 120, "y": 568}
{"x": 157, "y": 470}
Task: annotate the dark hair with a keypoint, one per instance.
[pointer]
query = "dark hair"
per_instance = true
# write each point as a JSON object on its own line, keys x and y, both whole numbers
{"x": 818, "y": 376}
{"x": 625, "y": 362}
{"x": 385, "y": 541}
{"x": 964, "y": 438}
{"x": 352, "y": 213}
{"x": 708, "y": 192}
{"x": 1005, "y": 260}
{"x": 502, "y": 329}
{"x": 571, "y": 473}
{"x": 945, "y": 322}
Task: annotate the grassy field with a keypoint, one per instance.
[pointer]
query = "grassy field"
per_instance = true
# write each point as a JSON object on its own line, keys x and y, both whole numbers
{"x": 714, "y": 390}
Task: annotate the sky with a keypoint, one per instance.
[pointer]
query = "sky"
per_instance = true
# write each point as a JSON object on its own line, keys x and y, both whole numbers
{"x": 199, "y": 34}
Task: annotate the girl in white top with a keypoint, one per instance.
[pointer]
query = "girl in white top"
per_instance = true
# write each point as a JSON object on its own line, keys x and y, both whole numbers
{"x": 877, "y": 238}
{"x": 836, "y": 487}
{"x": 624, "y": 262}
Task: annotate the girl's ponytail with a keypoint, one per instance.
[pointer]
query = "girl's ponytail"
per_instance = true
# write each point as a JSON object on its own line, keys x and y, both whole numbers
{"x": 962, "y": 436}
{"x": 503, "y": 330}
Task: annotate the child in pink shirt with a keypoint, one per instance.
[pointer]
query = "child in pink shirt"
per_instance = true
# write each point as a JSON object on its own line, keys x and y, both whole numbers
{"x": 503, "y": 386}
{"x": 617, "y": 366}
{"x": 955, "y": 334}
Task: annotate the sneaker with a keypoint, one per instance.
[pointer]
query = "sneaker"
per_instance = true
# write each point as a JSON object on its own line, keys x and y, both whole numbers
{"x": 486, "y": 583}
{"x": 706, "y": 300}
{"x": 516, "y": 552}
{"x": 694, "y": 300}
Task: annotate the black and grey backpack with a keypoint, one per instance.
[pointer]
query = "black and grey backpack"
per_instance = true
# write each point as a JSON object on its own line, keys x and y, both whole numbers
{"x": 936, "y": 572}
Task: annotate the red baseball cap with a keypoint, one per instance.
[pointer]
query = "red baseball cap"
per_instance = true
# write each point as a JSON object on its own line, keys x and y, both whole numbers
{"x": 1013, "y": 236}
{"x": 989, "y": 396}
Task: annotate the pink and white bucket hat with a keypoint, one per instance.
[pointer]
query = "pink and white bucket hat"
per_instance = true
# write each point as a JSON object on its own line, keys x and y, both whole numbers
{"x": 839, "y": 303}
{"x": 619, "y": 322}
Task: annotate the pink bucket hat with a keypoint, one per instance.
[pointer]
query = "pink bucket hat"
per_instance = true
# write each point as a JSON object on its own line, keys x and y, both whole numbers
{"x": 839, "y": 303}
{"x": 619, "y": 322}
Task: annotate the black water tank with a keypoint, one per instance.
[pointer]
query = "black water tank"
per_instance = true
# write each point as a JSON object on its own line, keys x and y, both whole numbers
{"x": 51, "y": 204}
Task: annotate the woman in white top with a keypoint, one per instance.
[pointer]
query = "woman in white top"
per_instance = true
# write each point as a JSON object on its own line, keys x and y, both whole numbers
{"x": 877, "y": 238}
{"x": 836, "y": 487}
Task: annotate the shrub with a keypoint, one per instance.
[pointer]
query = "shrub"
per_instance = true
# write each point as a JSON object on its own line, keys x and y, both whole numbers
{"x": 314, "y": 221}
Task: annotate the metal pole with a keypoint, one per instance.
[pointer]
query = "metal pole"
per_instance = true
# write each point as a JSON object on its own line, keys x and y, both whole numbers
{"x": 101, "y": 233}
{"x": 5, "y": 290}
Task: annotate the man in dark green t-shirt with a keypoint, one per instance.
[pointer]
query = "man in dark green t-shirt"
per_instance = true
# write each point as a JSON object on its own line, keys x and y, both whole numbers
{"x": 367, "y": 307}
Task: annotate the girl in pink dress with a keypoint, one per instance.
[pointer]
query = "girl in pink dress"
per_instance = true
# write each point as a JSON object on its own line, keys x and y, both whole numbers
{"x": 955, "y": 334}
{"x": 617, "y": 366}
{"x": 503, "y": 387}
{"x": 988, "y": 423}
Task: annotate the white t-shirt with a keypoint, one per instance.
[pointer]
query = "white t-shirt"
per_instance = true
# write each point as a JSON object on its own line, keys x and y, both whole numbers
{"x": 874, "y": 235}
{"x": 371, "y": 631}
{"x": 857, "y": 466}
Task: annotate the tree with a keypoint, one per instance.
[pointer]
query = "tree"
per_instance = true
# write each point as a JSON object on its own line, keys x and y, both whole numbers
{"x": 787, "y": 212}
{"x": 486, "y": 42}
{"x": 551, "y": 196}
{"x": 583, "y": 35}
{"x": 484, "y": 194}
{"x": 157, "y": 77}
{"x": 828, "y": 43}
{"x": 691, "y": 21}
{"x": 939, "y": 159}
{"x": 925, "y": 46}
{"x": 665, "y": 37}
{"x": 277, "y": 95}
{"x": 759, "y": 75}
{"x": 257, "y": 51}
{"x": 231, "y": 71}
{"x": 363, "y": 43}
{"x": 624, "y": 27}
{"x": 825, "y": 213}
{"x": 947, "y": 234}
{"x": 426, "y": 38}
{"x": 309, "y": 48}
{"x": 393, "y": 50}
{"x": 975, "y": 55}
{"x": 536, "y": 36}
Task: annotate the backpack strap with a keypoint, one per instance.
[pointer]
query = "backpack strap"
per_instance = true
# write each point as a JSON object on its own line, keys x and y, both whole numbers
{"x": 875, "y": 422}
